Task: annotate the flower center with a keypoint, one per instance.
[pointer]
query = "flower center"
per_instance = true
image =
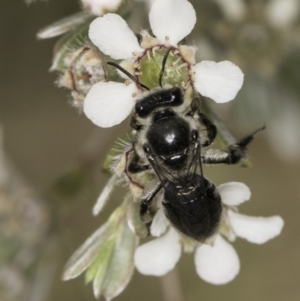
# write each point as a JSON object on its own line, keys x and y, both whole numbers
{"x": 148, "y": 68}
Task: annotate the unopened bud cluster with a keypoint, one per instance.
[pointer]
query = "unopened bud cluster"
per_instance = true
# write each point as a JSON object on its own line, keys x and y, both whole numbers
{"x": 84, "y": 69}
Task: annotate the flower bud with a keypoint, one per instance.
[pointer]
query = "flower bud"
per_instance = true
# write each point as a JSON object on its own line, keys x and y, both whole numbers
{"x": 84, "y": 68}
{"x": 101, "y": 7}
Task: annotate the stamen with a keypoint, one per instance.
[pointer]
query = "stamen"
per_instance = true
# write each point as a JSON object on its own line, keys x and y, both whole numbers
{"x": 148, "y": 55}
{"x": 182, "y": 65}
{"x": 176, "y": 62}
{"x": 154, "y": 49}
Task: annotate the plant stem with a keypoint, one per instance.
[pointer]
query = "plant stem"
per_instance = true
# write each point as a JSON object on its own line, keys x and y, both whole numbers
{"x": 171, "y": 286}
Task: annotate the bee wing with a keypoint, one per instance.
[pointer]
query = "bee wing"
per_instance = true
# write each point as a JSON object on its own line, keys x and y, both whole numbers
{"x": 64, "y": 25}
{"x": 196, "y": 162}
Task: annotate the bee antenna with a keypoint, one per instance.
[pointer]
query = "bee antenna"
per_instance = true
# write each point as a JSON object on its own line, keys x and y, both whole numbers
{"x": 128, "y": 74}
{"x": 162, "y": 71}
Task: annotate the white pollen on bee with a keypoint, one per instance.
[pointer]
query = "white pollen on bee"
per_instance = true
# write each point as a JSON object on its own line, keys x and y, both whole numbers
{"x": 167, "y": 38}
{"x": 134, "y": 54}
{"x": 170, "y": 138}
{"x": 133, "y": 95}
{"x": 127, "y": 83}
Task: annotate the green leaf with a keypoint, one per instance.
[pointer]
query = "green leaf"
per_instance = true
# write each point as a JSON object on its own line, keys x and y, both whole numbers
{"x": 122, "y": 263}
{"x": 86, "y": 254}
{"x": 100, "y": 265}
{"x": 64, "y": 25}
{"x": 134, "y": 219}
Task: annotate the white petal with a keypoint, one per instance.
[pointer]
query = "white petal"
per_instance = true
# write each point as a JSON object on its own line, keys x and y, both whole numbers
{"x": 113, "y": 37}
{"x": 218, "y": 264}
{"x": 257, "y": 230}
{"x": 109, "y": 103}
{"x": 172, "y": 20}
{"x": 234, "y": 193}
{"x": 282, "y": 13}
{"x": 158, "y": 256}
{"x": 159, "y": 223}
{"x": 219, "y": 81}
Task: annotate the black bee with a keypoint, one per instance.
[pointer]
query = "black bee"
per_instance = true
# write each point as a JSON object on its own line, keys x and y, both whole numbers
{"x": 167, "y": 140}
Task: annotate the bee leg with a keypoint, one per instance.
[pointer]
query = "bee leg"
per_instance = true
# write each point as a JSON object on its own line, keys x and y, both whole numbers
{"x": 146, "y": 202}
{"x": 235, "y": 153}
{"x": 134, "y": 123}
{"x": 194, "y": 106}
{"x": 135, "y": 167}
{"x": 211, "y": 129}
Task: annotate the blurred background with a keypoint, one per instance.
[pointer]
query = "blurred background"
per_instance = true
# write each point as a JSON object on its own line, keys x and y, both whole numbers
{"x": 51, "y": 155}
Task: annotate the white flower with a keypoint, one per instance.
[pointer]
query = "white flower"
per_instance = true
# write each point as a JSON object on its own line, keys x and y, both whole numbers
{"x": 217, "y": 263}
{"x": 100, "y": 7}
{"x": 108, "y": 104}
{"x": 282, "y": 13}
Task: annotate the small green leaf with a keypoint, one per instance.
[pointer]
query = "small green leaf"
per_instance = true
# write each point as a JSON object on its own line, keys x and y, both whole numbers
{"x": 64, "y": 25}
{"x": 122, "y": 263}
{"x": 134, "y": 219}
{"x": 105, "y": 194}
{"x": 84, "y": 256}
{"x": 100, "y": 265}
{"x": 87, "y": 253}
